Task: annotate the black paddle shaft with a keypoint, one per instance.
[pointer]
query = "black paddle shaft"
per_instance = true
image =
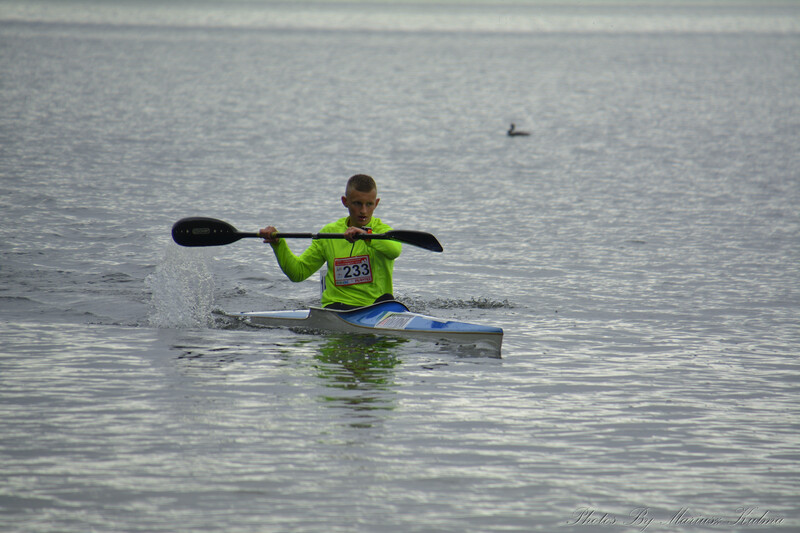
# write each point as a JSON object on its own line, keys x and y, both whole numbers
{"x": 203, "y": 231}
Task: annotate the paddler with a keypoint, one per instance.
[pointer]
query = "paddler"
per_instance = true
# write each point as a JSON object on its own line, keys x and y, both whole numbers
{"x": 359, "y": 270}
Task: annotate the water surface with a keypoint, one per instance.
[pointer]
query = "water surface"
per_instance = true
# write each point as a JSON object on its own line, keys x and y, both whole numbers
{"x": 640, "y": 249}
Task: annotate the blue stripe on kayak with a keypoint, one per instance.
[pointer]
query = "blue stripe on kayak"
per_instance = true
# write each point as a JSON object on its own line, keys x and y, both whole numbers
{"x": 372, "y": 315}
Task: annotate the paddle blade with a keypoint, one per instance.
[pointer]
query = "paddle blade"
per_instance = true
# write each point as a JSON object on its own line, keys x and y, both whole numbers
{"x": 202, "y": 231}
{"x": 415, "y": 238}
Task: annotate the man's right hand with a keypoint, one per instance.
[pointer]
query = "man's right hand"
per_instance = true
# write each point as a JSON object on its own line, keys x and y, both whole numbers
{"x": 267, "y": 234}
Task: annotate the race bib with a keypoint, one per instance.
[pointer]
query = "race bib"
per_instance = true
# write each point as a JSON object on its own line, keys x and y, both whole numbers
{"x": 352, "y": 270}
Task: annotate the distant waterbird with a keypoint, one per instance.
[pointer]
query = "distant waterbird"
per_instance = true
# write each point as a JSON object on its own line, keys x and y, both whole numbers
{"x": 513, "y": 132}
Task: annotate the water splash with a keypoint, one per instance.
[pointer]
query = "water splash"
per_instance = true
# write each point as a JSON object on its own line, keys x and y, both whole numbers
{"x": 472, "y": 303}
{"x": 422, "y": 305}
{"x": 182, "y": 289}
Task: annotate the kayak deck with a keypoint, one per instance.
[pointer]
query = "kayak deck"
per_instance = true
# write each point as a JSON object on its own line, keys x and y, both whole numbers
{"x": 389, "y": 318}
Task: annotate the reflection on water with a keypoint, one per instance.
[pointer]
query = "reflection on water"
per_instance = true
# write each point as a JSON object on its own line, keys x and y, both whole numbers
{"x": 360, "y": 368}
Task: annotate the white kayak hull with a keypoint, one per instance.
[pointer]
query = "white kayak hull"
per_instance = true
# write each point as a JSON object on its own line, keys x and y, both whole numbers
{"x": 385, "y": 318}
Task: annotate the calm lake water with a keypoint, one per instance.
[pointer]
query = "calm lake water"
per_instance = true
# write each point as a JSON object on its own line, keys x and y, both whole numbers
{"x": 641, "y": 250}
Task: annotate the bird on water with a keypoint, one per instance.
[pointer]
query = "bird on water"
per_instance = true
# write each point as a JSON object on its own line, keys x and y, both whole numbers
{"x": 513, "y": 132}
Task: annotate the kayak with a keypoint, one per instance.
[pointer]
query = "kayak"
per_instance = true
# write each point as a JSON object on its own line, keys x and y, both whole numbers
{"x": 390, "y": 318}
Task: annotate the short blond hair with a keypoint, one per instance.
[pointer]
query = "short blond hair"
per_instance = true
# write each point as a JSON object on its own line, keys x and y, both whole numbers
{"x": 361, "y": 182}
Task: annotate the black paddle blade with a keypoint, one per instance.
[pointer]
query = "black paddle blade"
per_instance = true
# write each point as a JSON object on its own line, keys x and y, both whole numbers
{"x": 415, "y": 238}
{"x": 202, "y": 231}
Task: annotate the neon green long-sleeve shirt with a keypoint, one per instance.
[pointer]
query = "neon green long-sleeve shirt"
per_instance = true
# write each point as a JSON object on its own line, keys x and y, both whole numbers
{"x": 358, "y": 273}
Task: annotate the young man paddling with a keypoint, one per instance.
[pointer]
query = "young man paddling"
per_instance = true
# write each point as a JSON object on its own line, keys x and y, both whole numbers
{"x": 359, "y": 271}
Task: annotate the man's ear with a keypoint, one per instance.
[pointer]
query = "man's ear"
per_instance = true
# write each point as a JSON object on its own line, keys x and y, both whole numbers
{"x": 344, "y": 201}
{"x": 377, "y": 201}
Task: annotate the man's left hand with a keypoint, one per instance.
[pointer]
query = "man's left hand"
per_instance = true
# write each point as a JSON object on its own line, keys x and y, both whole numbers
{"x": 351, "y": 233}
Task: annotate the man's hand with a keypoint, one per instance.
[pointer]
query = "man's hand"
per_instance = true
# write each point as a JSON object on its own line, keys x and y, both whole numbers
{"x": 267, "y": 234}
{"x": 351, "y": 233}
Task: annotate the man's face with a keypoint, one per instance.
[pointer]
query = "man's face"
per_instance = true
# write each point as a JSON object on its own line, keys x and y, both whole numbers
{"x": 361, "y": 205}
